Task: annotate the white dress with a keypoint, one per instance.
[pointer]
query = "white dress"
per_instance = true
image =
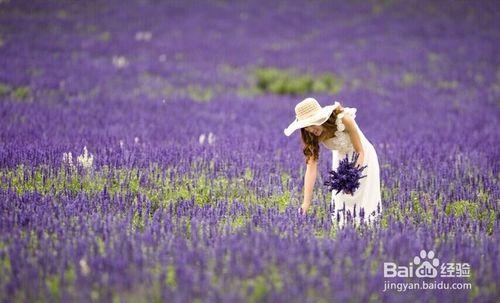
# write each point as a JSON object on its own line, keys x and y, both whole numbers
{"x": 367, "y": 195}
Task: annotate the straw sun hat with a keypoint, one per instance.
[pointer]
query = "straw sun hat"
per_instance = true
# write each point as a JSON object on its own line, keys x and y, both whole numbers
{"x": 308, "y": 112}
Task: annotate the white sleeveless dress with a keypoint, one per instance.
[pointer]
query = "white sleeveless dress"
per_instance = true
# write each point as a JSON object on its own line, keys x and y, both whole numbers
{"x": 367, "y": 195}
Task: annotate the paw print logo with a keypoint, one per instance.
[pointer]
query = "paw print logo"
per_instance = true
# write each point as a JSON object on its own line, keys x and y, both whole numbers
{"x": 427, "y": 264}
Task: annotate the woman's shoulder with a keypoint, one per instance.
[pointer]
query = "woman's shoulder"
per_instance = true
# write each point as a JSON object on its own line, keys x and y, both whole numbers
{"x": 346, "y": 111}
{"x": 346, "y": 115}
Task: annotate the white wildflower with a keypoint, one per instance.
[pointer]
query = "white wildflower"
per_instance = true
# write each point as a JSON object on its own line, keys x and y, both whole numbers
{"x": 146, "y": 36}
{"x": 121, "y": 143}
{"x": 68, "y": 159}
{"x": 136, "y": 140}
{"x": 211, "y": 138}
{"x": 84, "y": 267}
{"x": 85, "y": 160}
{"x": 120, "y": 61}
{"x": 201, "y": 139}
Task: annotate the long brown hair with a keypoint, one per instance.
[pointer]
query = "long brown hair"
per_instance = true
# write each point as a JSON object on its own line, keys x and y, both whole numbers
{"x": 310, "y": 143}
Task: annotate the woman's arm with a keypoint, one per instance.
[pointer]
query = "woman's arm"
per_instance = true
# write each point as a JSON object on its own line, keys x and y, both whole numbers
{"x": 309, "y": 180}
{"x": 350, "y": 127}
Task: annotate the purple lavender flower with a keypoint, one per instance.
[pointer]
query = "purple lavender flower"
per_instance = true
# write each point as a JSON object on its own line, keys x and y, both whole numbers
{"x": 347, "y": 176}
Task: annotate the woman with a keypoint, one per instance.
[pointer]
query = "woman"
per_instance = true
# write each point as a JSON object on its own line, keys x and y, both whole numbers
{"x": 335, "y": 128}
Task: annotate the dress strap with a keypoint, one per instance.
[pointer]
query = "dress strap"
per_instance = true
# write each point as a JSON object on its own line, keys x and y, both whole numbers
{"x": 351, "y": 111}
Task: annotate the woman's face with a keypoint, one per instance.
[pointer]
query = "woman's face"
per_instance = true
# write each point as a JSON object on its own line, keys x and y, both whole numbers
{"x": 316, "y": 130}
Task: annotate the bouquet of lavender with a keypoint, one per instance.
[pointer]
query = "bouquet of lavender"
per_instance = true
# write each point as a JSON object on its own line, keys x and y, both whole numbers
{"x": 347, "y": 176}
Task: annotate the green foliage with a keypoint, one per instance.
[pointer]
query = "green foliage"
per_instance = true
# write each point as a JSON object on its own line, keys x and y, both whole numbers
{"x": 120, "y": 181}
{"x": 239, "y": 221}
{"x": 308, "y": 270}
{"x": 279, "y": 200}
{"x": 53, "y": 282}
{"x": 458, "y": 208}
{"x": 285, "y": 178}
{"x": 413, "y": 210}
{"x": 155, "y": 184}
{"x": 328, "y": 83}
{"x": 275, "y": 277}
{"x": 419, "y": 214}
{"x": 5, "y": 265}
{"x": 409, "y": 79}
{"x": 100, "y": 245}
{"x": 188, "y": 228}
{"x": 248, "y": 174}
{"x": 491, "y": 221}
{"x": 384, "y": 223}
{"x": 157, "y": 87}
{"x": 200, "y": 94}
{"x": 4, "y": 89}
{"x": 286, "y": 81}
{"x": 70, "y": 274}
{"x": 21, "y": 92}
{"x": 444, "y": 84}
{"x": 471, "y": 208}
{"x": 416, "y": 213}
{"x": 105, "y": 36}
{"x": 170, "y": 278}
{"x": 374, "y": 267}
{"x": 138, "y": 221}
{"x": 260, "y": 288}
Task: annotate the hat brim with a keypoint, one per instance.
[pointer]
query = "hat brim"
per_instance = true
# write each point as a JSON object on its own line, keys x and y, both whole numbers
{"x": 317, "y": 119}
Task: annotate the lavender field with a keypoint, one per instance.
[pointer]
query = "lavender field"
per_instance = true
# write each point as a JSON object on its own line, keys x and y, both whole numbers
{"x": 142, "y": 154}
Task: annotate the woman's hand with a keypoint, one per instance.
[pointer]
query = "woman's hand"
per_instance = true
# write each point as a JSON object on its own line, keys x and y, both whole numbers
{"x": 303, "y": 208}
{"x": 360, "y": 160}
{"x": 349, "y": 192}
